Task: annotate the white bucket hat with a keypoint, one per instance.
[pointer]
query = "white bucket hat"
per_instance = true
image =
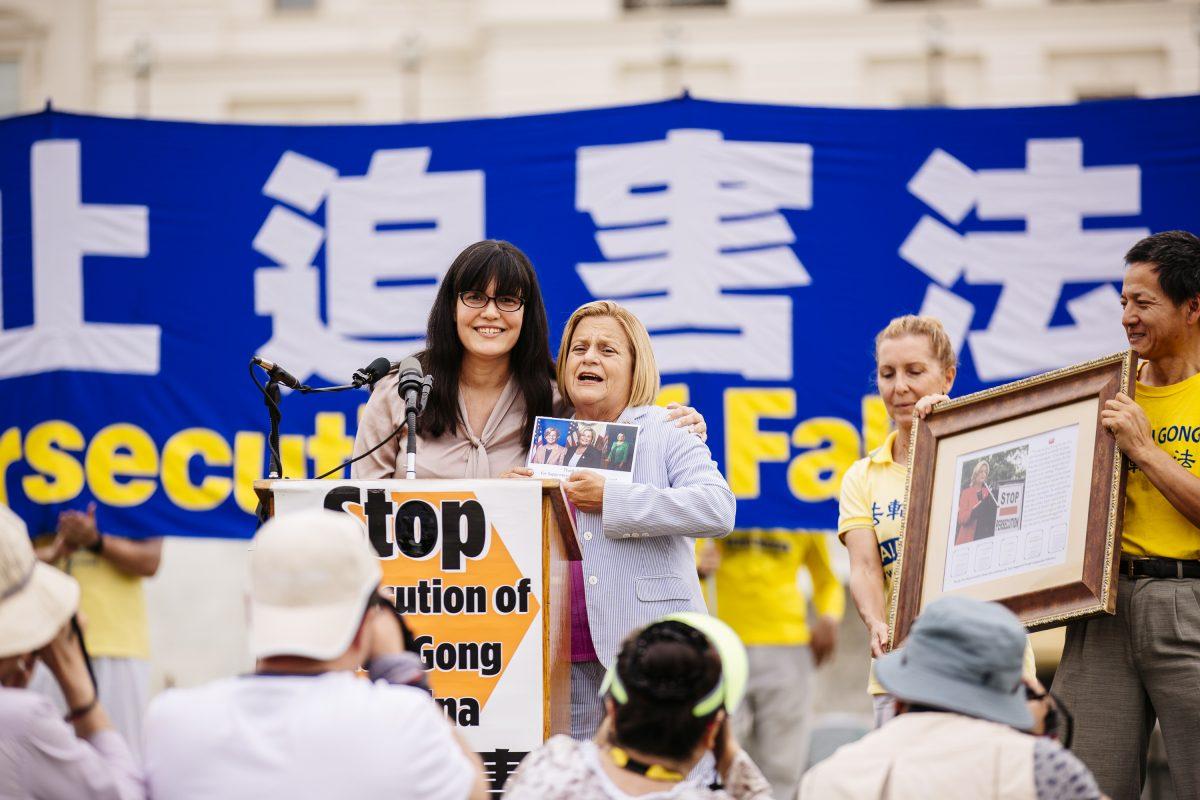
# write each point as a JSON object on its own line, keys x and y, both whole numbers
{"x": 36, "y": 600}
{"x": 311, "y": 576}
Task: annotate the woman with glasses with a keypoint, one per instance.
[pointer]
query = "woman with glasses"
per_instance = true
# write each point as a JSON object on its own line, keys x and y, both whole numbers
{"x": 488, "y": 351}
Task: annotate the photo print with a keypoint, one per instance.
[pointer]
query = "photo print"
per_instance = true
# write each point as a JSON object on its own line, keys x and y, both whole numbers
{"x": 1012, "y": 508}
{"x": 561, "y": 446}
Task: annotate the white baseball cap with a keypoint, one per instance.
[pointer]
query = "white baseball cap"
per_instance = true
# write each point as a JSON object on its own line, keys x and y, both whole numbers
{"x": 36, "y": 600}
{"x": 312, "y": 574}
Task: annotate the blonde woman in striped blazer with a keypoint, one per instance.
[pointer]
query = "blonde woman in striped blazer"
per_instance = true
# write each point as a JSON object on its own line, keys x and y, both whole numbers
{"x": 636, "y": 538}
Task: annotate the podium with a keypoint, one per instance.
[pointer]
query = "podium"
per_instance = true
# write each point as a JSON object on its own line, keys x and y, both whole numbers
{"x": 481, "y": 573}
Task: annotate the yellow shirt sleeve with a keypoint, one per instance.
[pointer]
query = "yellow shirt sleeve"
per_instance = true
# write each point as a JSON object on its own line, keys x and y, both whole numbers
{"x": 829, "y": 597}
{"x": 854, "y": 504}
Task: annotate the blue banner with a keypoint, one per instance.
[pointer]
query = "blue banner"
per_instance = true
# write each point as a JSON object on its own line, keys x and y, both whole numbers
{"x": 143, "y": 263}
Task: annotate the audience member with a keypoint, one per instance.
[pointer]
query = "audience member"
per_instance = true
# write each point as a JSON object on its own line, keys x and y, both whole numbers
{"x": 303, "y": 725}
{"x": 757, "y": 594}
{"x": 42, "y": 756}
{"x": 110, "y": 570}
{"x": 667, "y": 699}
{"x": 964, "y": 720}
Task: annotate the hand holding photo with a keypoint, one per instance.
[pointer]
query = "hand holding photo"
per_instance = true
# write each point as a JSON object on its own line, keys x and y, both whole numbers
{"x": 562, "y": 446}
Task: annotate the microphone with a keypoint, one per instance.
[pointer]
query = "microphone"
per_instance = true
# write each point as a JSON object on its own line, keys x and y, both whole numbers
{"x": 413, "y": 387}
{"x": 411, "y": 381}
{"x": 278, "y": 373}
{"x": 372, "y": 372}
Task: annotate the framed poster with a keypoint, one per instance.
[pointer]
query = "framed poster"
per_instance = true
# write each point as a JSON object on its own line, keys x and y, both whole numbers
{"x": 1015, "y": 495}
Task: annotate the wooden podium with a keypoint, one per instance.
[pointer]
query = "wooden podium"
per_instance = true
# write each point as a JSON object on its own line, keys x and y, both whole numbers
{"x": 477, "y": 566}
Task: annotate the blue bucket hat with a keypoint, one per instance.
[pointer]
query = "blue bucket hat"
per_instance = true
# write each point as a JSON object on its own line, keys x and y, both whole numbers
{"x": 962, "y": 655}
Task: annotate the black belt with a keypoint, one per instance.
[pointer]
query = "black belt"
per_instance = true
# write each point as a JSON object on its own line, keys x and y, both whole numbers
{"x": 1159, "y": 568}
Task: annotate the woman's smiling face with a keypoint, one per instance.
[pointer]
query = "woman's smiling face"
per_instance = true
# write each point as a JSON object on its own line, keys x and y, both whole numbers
{"x": 488, "y": 332}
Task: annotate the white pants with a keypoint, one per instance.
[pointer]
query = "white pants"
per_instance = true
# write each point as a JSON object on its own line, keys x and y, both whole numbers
{"x": 774, "y": 721}
{"x": 123, "y": 685}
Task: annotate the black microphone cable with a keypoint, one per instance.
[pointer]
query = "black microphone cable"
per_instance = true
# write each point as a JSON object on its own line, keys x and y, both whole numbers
{"x": 361, "y": 456}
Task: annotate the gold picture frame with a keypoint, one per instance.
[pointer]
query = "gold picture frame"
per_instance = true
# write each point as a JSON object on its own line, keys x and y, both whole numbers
{"x": 1015, "y": 494}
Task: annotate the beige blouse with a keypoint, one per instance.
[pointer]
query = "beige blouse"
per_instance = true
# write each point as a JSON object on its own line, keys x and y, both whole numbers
{"x": 500, "y": 447}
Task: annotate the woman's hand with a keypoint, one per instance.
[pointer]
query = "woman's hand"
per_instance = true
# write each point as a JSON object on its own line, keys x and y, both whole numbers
{"x": 517, "y": 472}
{"x": 79, "y": 528}
{"x": 879, "y": 634}
{"x": 709, "y": 559}
{"x": 688, "y": 417}
{"x": 57, "y": 549}
{"x": 725, "y": 748}
{"x": 926, "y": 404}
{"x": 585, "y": 490}
{"x": 1039, "y": 706}
{"x": 64, "y": 658}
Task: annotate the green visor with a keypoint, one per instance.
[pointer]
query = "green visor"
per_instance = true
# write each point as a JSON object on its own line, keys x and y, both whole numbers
{"x": 730, "y": 688}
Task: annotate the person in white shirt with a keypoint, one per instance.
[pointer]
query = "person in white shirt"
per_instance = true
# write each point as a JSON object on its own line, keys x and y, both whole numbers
{"x": 303, "y": 725}
{"x": 42, "y": 755}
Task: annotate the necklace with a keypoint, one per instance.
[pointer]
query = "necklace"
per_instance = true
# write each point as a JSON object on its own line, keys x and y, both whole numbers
{"x": 655, "y": 772}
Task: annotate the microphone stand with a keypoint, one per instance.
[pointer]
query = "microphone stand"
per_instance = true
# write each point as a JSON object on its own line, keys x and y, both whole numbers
{"x": 271, "y": 399}
{"x": 414, "y": 404}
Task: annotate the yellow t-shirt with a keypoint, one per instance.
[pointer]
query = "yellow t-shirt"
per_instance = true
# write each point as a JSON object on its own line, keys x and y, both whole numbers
{"x": 112, "y": 606}
{"x": 873, "y": 497}
{"x": 757, "y": 592}
{"x": 1153, "y": 527}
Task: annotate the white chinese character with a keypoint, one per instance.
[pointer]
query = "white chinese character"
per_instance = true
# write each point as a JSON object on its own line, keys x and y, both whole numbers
{"x": 65, "y": 229}
{"x": 1051, "y": 195}
{"x": 684, "y": 219}
{"x": 389, "y": 237}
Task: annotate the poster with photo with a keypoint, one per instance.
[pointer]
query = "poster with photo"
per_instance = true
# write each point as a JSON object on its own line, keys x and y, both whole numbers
{"x": 561, "y": 446}
{"x": 1012, "y": 508}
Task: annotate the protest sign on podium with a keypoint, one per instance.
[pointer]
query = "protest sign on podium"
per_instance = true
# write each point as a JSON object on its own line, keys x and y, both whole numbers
{"x": 480, "y": 572}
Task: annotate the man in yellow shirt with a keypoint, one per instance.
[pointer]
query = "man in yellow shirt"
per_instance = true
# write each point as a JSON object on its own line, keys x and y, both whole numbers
{"x": 759, "y": 597}
{"x": 110, "y": 570}
{"x": 1119, "y": 674}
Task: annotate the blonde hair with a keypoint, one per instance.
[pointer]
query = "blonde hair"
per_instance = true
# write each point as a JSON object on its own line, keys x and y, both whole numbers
{"x": 645, "y": 369}
{"x": 929, "y": 327}
{"x": 982, "y": 464}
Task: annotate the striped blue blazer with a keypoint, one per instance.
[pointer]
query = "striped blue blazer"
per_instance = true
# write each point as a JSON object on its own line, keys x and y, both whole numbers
{"x": 639, "y": 559}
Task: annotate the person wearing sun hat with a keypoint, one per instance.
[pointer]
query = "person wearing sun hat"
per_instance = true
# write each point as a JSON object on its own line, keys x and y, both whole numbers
{"x": 965, "y": 725}
{"x": 668, "y": 698}
{"x": 40, "y": 755}
{"x": 303, "y": 725}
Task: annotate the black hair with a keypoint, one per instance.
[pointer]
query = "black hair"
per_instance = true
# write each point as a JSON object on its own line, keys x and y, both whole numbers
{"x": 1175, "y": 256}
{"x": 476, "y": 268}
{"x": 666, "y": 669}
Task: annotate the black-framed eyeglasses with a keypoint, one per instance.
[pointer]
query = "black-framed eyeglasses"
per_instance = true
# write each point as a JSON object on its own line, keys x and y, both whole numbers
{"x": 476, "y": 299}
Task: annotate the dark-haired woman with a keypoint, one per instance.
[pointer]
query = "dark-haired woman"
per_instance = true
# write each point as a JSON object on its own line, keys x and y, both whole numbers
{"x": 488, "y": 350}
{"x": 667, "y": 701}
